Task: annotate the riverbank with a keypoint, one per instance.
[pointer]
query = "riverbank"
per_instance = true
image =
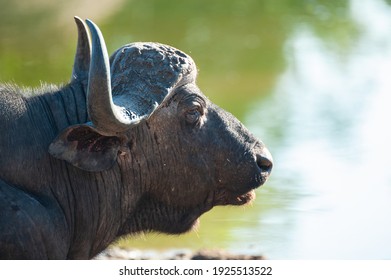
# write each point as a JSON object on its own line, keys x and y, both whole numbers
{"x": 116, "y": 253}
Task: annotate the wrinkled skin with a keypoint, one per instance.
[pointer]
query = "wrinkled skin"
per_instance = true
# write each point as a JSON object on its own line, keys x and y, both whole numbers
{"x": 161, "y": 174}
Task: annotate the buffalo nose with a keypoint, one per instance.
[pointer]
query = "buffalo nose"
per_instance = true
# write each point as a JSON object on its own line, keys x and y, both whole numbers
{"x": 265, "y": 161}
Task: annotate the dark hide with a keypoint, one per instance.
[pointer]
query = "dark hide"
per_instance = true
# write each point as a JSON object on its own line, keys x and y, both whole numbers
{"x": 92, "y": 161}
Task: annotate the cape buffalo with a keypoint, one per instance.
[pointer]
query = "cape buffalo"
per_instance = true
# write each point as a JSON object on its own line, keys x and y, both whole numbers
{"x": 129, "y": 145}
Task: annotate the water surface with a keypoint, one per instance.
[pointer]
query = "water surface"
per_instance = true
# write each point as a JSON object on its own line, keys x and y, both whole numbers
{"x": 310, "y": 78}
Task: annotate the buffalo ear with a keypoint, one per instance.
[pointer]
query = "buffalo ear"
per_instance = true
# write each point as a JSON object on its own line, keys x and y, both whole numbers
{"x": 85, "y": 148}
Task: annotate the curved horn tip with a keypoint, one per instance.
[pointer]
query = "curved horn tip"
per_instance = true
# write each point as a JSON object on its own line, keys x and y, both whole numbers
{"x": 96, "y": 34}
{"x": 91, "y": 24}
{"x": 82, "y": 57}
{"x": 80, "y": 24}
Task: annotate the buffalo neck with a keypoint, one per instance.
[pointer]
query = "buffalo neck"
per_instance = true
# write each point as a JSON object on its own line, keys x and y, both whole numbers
{"x": 92, "y": 204}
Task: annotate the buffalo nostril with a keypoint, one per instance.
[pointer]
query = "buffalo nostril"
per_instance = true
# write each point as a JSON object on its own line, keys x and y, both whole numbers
{"x": 265, "y": 162}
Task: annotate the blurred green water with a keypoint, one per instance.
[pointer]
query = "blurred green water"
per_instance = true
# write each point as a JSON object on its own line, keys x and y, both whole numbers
{"x": 239, "y": 47}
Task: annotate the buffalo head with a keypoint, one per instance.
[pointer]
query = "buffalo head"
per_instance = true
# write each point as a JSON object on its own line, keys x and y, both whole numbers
{"x": 150, "y": 122}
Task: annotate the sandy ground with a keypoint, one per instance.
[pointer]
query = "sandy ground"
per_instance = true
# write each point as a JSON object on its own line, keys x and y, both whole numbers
{"x": 64, "y": 11}
{"x": 95, "y": 10}
{"x": 115, "y": 253}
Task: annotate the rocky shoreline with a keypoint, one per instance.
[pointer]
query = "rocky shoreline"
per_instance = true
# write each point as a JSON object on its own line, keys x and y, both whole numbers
{"x": 116, "y": 253}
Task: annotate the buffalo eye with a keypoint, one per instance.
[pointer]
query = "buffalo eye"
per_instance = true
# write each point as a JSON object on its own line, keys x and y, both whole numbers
{"x": 194, "y": 113}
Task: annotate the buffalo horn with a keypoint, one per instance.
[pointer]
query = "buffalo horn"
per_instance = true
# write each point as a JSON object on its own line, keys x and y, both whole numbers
{"x": 82, "y": 57}
{"x": 107, "y": 118}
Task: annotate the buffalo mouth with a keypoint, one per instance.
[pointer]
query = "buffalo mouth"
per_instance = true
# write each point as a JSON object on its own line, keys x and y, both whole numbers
{"x": 227, "y": 197}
